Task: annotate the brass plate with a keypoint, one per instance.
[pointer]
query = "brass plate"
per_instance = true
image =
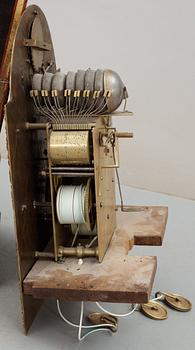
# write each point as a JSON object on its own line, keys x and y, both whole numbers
{"x": 104, "y": 191}
{"x": 177, "y": 302}
{"x": 154, "y": 310}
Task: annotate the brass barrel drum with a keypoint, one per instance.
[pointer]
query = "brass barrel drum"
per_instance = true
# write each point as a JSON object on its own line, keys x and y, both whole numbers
{"x": 69, "y": 147}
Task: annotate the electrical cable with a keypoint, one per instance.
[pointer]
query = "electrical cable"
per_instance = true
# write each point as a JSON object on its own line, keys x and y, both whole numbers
{"x": 161, "y": 297}
{"x": 75, "y": 236}
{"x": 95, "y": 328}
{"x": 90, "y": 332}
{"x": 98, "y": 327}
{"x": 92, "y": 241}
{"x": 117, "y": 315}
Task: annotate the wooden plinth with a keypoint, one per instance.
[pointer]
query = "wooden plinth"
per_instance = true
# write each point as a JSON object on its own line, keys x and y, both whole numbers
{"x": 147, "y": 225}
{"x": 119, "y": 278}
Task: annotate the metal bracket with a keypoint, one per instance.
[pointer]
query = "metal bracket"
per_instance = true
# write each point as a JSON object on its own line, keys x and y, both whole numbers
{"x": 41, "y": 45}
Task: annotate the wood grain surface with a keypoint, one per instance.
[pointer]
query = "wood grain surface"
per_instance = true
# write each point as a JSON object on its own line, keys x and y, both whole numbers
{"x": 10, "y": 13}
{"x": 147, "y": 226}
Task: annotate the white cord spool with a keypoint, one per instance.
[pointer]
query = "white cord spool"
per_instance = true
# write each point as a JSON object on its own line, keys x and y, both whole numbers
{"x": 70, "y": 204}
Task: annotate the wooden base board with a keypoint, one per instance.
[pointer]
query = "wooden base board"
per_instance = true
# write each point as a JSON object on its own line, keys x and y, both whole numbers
{"x": 146, "y": 224}
{"x": 120, "y": 278}
{"x": 128, "y": 280}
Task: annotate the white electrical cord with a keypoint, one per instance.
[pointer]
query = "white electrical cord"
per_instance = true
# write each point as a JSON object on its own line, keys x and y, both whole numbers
{"x": 92, "y": 241}
{"x": 90, "y": 332}
{"x": 98, "y": 327}
{"x": 118, "y": 315}
{"x": 158, "y": 298}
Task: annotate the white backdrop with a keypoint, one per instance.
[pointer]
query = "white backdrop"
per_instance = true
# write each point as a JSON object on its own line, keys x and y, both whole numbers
{"x": 151, "y": 44}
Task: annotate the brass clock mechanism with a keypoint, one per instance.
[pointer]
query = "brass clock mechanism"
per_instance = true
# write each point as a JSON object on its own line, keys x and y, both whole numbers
{"x": 70, "y": 148}
{"x": 64, "y": 157}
